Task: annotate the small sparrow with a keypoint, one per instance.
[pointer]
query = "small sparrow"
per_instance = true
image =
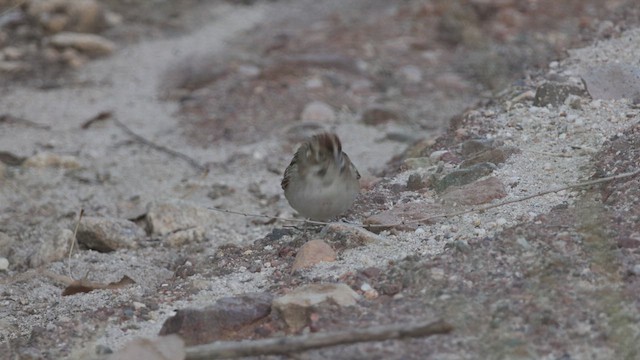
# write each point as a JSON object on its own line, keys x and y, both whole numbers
{"x": 321, "y": 182}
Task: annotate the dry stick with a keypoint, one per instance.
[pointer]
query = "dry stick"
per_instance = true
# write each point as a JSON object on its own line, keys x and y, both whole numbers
{"x": 446, "y": 215}
{"x": 73, "y": 242}
{"x": 161, "y": 148}
{"x": 234, "y": 349}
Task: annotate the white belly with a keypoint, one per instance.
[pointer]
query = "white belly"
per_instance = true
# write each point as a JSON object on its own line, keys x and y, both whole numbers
{"x": 317, "y": 201}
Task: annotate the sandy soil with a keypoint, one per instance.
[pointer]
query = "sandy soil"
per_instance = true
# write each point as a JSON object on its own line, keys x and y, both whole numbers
{"x": 226, "y": 85}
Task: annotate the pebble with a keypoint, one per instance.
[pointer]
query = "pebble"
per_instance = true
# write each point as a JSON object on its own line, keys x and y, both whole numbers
{"x": 476, "y": 193}
{"x": 312, "y": 253}
{"x": 313, "y": 83}
{"x": 89, "y": 44}
{"x": 464, "y": 176}
{"x": 318, "y": 111}
{"x": 348, "y": 236}
{"x": 636, "y": 270}
{"x": 164, "y": 218}
{"x": 411, "y": 73}
{"x": 46, "y": 159}
{"x": 396, "y": 217}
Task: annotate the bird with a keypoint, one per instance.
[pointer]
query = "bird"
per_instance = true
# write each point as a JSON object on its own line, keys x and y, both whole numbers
{"x": 321, "y": 182}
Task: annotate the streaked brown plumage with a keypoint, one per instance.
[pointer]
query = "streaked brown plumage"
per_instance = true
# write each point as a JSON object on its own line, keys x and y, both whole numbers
{"x": 321, "y": 182}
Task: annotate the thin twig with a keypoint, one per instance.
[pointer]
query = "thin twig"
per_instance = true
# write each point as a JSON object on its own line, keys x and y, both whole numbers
{"x": 73, "y": 242}
{"x": 235, "y": 349}
{"x": 161, "y": 148}
{"x": 445, "y": 215}
{"x": 484, "y": 208}
{"x": 269, "y": 216}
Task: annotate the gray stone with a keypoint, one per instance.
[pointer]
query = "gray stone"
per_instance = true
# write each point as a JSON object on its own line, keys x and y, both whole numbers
{"x": 108, "y": 234}
{"x": 52, "y": 249}
{"x": 218, "y": 321}
{"x": 169, "y": 217}
{"x": 554, "y": 94}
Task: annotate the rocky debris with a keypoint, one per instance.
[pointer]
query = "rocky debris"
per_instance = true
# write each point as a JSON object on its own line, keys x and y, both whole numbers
{"x": 185, "y": 236}
{"x": 398, "y": 216}
{"x": 52, "y": 249}
{"x": 295, "y": 307}
{"x": 312, "y": 253}
{"x": 463, "y": 176}
{"x": 555, "y": 94}
{"x": 46, "y": 159}
{"x": 160, "y": 348}
{"x": 3, "y": 171}
{"x": 88, "y": 44}
{"x": 318, "y": 112}
{"x": 476, "y": 193}
{"x": 165, "y": 218}
{"x": 220, "y": 321}
{"x": 106, "y": 234}
{"x": 379, "y": 114}
{"x": 346, "y": 236}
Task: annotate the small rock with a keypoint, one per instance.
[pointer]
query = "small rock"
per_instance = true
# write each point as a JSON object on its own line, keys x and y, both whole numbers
{"x": 220, "y": 190}
{"x": 635, "y": 270}
{"x": 476, "y": 193}
{"x": 314, "y": 83}
{"x": 379, "y": 114}
{"x": 318, "y": 111}
{"x": 401, "y": 217}
{"x": 219, "y": 321}
{"x": 108, "y": 234}
{"x": 494, "y": 156}
{"x": 415, "y": 182}
{"x": 464, "y": 176}
{"x": 89, "y": 44}
{"x": 186, "y": 236}
{"x": 312, "y": 253}
{"x": 45, "y": 159}
{"x": 554, "y": 94}
{"x": 250, "y": 71}
{"x": 295, "y": 307}
{"x": 4, "y": 264}
{"x": 411, "y": 73}
{"x": 345, "y": 236}
{"x": 474, "y": 147}
{"x": 52, "y": 249}
{"x": 164, "y": 218}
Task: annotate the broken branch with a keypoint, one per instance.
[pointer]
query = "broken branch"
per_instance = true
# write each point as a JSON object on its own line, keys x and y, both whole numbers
{"x": 235, "y": 349}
